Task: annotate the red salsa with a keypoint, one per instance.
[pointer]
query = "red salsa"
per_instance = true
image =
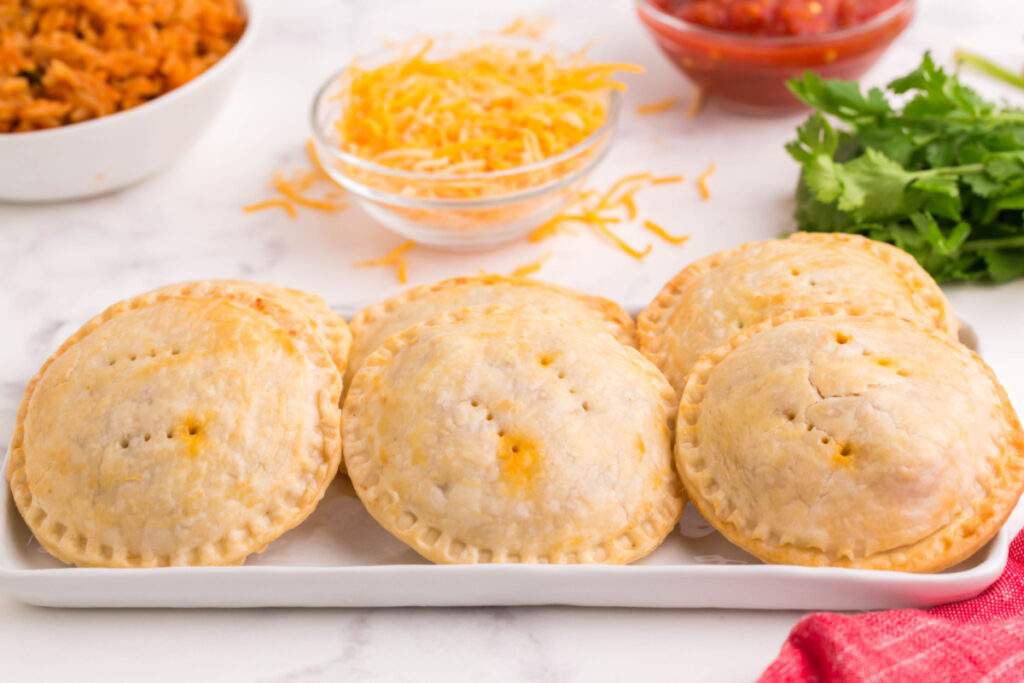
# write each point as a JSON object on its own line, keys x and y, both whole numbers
{"x": 743, "y": 51}
{"x": 777, "y": 17}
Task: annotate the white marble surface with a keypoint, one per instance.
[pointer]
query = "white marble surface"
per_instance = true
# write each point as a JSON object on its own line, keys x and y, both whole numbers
{"x": 61, "y": 263}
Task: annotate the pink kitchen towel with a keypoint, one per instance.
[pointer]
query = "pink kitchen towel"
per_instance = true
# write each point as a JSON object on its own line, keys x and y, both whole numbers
{"x": 981, "y": 639}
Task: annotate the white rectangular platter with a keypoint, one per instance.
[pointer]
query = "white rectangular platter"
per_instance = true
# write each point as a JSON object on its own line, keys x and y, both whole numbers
{"x": 340, "y": 557}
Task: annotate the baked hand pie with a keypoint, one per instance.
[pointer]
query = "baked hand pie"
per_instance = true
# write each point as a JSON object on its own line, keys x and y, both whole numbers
{"x": 712, "y": 299}
{"x": 329, "y": 325}
{"x": 374, "y": 324}
{"x": 177, "y": 430}
{"x": 491, "y": 434}
{"x": 849, "y": 441}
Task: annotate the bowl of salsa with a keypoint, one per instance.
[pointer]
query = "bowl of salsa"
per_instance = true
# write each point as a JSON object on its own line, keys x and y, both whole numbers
{"x": 743, "y": 51}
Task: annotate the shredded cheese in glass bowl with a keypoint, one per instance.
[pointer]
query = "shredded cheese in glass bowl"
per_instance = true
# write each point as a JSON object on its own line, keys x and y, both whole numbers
{"x": 466, "y": 144}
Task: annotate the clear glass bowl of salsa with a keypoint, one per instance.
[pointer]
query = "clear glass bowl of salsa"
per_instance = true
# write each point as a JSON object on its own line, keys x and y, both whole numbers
{"x": 743, "y": 51}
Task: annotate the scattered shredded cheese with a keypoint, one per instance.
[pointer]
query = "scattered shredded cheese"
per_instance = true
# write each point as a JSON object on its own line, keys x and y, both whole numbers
{"x": 314, "y": 160}
{"x": 528, "y": 269}
{"x": 664, "y": 234}
{"x": 534, "y": 28}
{"x": 395, "y": 257}
{"x": 586, "y": 216}
{"x": 658, "y": 106}
{"x": 602, "y": 227}
{"x": 292, "y": 190}
{"x": 608, "y": 199}
{"x": 630, "y": 204}
{"x": 702, "y": 182}
{"x": 553, "y": 227}
{"x": 272, "y": 204}
{"x": 597, "y": 211}
{"x": 696, "y": 104}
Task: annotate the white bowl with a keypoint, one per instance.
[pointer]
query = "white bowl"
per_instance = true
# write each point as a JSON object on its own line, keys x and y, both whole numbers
{"x": 109, "y": 153}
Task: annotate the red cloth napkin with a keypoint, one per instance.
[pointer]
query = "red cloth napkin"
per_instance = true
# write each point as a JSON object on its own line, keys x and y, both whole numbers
{"x": 981, "y": 639}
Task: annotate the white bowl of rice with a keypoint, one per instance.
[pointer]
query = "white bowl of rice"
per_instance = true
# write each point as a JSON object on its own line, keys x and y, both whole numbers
{"x": 66, "y": 158}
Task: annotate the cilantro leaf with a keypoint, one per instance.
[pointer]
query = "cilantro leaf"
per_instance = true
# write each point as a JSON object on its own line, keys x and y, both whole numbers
{"x": 1004, "y": 265}
{"x": 814, "y": 137}
{"x": 940, "y": 176}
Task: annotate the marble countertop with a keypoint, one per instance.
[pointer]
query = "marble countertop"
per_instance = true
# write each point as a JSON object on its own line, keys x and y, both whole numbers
{"x": 63, "y": 262}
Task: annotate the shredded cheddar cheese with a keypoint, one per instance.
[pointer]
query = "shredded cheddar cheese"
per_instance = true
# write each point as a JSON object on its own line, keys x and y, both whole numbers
{"x": 292, "y": 190}
{"x": 696, "y": 103}
{"x": 553, "y": 227}
{"x": 395, "y": 258}
{"x": 534, "y": 28}
{"x": 602, "y": 227}
{"x": 664, "y": 234}
{"x": 272, "y": 204}
{"x": 599, "y": 211}
{"x": 487, "y": 108}
{"x": 658, "y": 106}
{"x": 630, "y": 205}
{"x": 702, "y": 182}
{"x": 314, "y": 160}
{"x": 480, "y": 119}
{"x": 528, "y": 269}
{"x": 633, "y": 180}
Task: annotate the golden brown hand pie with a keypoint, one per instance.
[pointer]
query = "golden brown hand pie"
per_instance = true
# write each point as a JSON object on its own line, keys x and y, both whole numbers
{"x": 328, "y": 325}
{"x": 490, "y": 434}
{"x": 374, "y": 324}
{"x": 712, "y": 299}
{"x": 176, "y": 431}
{"x": 850, "y": 441}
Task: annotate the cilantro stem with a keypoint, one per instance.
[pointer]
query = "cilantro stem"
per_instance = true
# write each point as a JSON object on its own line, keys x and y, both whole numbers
{"x": 944, "y": 120}
{"x": 990, "y": 68}
{"x": 1016, "y": 241}
{"x": 950, "y": 170}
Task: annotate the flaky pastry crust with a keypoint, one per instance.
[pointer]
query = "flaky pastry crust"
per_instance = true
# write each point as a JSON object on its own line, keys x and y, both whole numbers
{"x": 491, "y": 434}
{"x": 371, "y": 326}
{"x": 822, "y": 437}
{"x": 714, "y": 298}
{"x": 329, "y": 325}
{"x": 173, "y": 430}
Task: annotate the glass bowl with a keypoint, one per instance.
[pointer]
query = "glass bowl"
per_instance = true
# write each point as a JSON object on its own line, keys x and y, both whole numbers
{"x": 462, "y": 211}
{"x": 749, "y": 73}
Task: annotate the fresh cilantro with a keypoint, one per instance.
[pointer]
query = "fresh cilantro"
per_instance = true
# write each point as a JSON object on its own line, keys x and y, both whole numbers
{"x": 926, "y": 164}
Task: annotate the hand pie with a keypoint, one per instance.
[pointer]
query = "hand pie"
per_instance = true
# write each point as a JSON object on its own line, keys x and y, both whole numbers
{"x": 490, "y": 434}
{"x": 374, "y": 324}
{"x": 174, "y": 430}
{"x": 328, "y": 325}
{"x": 850, "y": 441}
{"x": 712, "y": 299}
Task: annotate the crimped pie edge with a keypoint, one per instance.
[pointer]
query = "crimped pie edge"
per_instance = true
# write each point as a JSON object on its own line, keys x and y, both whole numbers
{"x": 66, "y": 544}
{"x": 651, "y": 323}
{"x": 933, "y": 553}
{"x": 438, "y": 545}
